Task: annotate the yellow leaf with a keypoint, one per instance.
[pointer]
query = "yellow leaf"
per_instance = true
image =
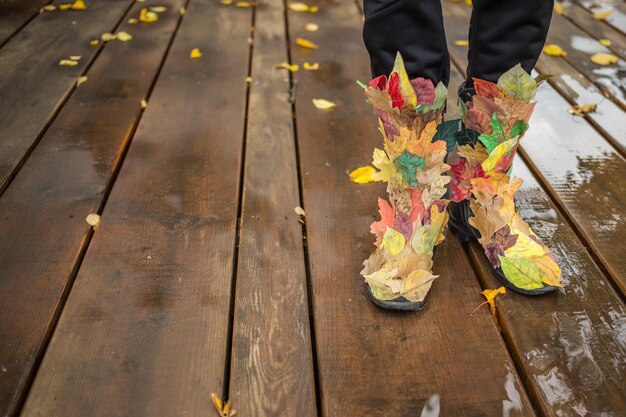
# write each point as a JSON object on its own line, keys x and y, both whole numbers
{"x": 298, "y": 7}
{"x": 94, "y": 42}
{"x": 554, "y": 50}
{"x": 387, "y": 169}
{"x": 558, "y": 8}
{"x": 582, "y": 109}
{"x": 195, "y": 53}
{"x": 248, "y": 80}
{"x": 244, "y": 4}
{"x": 407, "y": 90}
{"x": 605, "y": 42}
{"x": 182, "y": 10}
{"x": 498, "y": 153}
{"x": 311, "y": 67}
{"x": 147, "y": 16}
{"x": 65, "y": 6}
{"x": 158, "y": 9}
{"x": 81, "y": 80}
{"x": 143, "y": 103}
{"x": 49, "y": 8}
{"x": 93, "y": 220}
{"x": 313, "y": 9}
{"x": 124, "y": 36}
{"x": 217, "y": 402}
{"x": 323, "y": 104}
{"x": 602, "y": 58}
{"x": 287, "y": 66}
{"x": 299, "y": 211}
{"x": 461, "y": 42}
{"x": 551, "y": 273}
{"x": 311, "y": 27}
{"x": 75, "y": 57}
{"x": 602, "y": 15}
{"x": 106, "y": 37}
{"x": 304, "y": 43}
{"x": 362, "y": 175}
{"x": 226, "y": 2}
{"x": 524, "y": 247}
{"x": 469, "y": 3}
{"x": 132, "y": 21}
{"x": 78, "y": 5}
{"x": 491, "y": 295}
{"x": 68, "y": 63}
{"x": 393, "y": 241}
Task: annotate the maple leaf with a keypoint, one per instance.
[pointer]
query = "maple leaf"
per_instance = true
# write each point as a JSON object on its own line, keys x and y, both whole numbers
{"x": 497, "y": 134}
{"x": 499, "y": 243}
{"x": 477, "y": 154}
{"x": 387, "y": 214}
{"x": 446, "y": 132}
{"x": 462, "y": 172}
{"x": 387, "y": 169}
{"x": 417, "y": 205}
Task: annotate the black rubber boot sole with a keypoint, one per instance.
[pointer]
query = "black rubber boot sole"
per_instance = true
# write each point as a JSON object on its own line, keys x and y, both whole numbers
{"x": 398, "y": 304}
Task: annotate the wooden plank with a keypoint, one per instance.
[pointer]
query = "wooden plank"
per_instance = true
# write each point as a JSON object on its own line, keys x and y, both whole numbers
{"x": 617, "y": 18}
{"x": 570, "y": 346}
{"x": 144, "y": 331}
{"x": 272, "y": 364}
{"x": 33, "y": 85}
{"x": 43, "y": 231}
{"x": 373, "y": 362}
{"x": 573, "y": 162}
{"x": 14, "y": 14}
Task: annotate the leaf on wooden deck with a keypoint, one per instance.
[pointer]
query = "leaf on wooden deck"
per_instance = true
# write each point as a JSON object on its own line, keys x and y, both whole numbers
{"x": 311, "y": 67}
{"x": 302, "y": 7}
{"x": 81, "y": 80}
{"x": 195, "y": 53}
{"x": 107, "y": 36}
{"x": 158, "y": 9}
{"x": 311, "y": 27}
{"x": 124, "y": 36}
{"x": 223, "y": 409}
{"x": 93, "y": 219}
{"x": 558, "y": 8}
{"x": 605, "y": 42}
{"x": 94, "y": 42}
{"x": 362, "y": 175}
{"x": 226, "y": 2}
{"x": 582, "y": 109}
{"x": 602, "y": 58}
{"x": 323, "y": 104}
{"x": 132, "y": 21}
{"x": 68, "y": 63}
{"x": 305, "y": 43}
{"x": 603, "y": 14}
{"x": 48, "y": 8}
{"x": 147, "y": 16}
{"x": 75, "y": 57}
{"x": 554, "y": 50}
{"x": 182, "y": 10}
{"x": 491, "y": 295}
{"x": 143, "y": 103}
{"x": 243, "y": 4}
{"x": 287, "y": 66}
{"x": 461, "y": 42}
{"x": 248, "y": 80}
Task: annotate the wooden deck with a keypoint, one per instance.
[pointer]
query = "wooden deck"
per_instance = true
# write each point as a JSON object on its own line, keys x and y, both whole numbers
{"x": 201, "y": 277}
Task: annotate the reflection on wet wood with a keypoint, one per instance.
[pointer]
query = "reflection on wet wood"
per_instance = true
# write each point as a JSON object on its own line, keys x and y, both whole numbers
{"x": 144, "y": 331}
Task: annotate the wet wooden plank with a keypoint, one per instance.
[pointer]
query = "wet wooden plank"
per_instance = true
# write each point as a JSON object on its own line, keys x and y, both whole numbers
{"x": 43, "y": 231}
{"x": 16, "y": 13}
{"x": 617, "y": 17}
{"x": 272, "y": 364}
{"x": 371, "y": 361}
{"x": 146, "y": 323}
{"x": 571, "y": 346}
{"x": 574, "y": 163}
{"x": 33, "y": 85}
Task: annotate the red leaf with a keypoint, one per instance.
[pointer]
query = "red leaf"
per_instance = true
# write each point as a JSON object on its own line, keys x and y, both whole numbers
{"x": 487, "y": 89}
{"x": 417, "y": 210}
{"x": 462, "y": 172}
{"x": 394, "y": 91}
{"x": 424, "y": 90}
{"x": 387, "y": 214}
{"x": 478, "y": 121}
{"x": 379, "y": 82}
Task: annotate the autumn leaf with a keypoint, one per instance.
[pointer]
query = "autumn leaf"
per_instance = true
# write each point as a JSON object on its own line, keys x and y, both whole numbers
{"x": 387, "y": 169}
{"x": 424, "y": 90}
{"x": 158, "y": 9}
{"x": 554, "y": 50}
{"x": 605, "y": 42}
{"x": 147, "y": 16}
{"x": 518, "y": 83}
{"x": 476, "y": 154}
{"x": 107, "y": 36}
{"x": 68, "y": 63}
{"x": 551, "y": 273}
{"x": 286, "y": 65}
{"x": 522, "y": 272}
{"x": 311, "y": 27}
{"x": 323, "y": 104}
{"x": 311, "y": 67}
{"x": 78, "y": 5}
{"x": 93, "y": 219}
{"x": 301, "y": 7}
{"x": 243, "y": 4}
{"x": 498, "y": 153}
{"x": 94, "y": 42}
{"x": 48, "y": 8}
{"x": 558, "y": 8}
{"x": 404, "y": 85}
{"x": 393, "y": 241}
{"x": 602, "y": 58}
{"x": 461, "y": 42}
{"x": 132, "y": 21}
{"x": 582, "y": 109}
{"x": 307, "y": 44}
{"x": 387, "y": 215}
{"x": 603, "y": 14}
{"x": 81, "y": 80}
{"x": 409, "y": 164}
{"x": 195, "y": 53}
{"x": 124, "y": 36}
{"x": 491, "y": 295}
{"x": 223, "y": 409}
{"x": 362, "y": 175}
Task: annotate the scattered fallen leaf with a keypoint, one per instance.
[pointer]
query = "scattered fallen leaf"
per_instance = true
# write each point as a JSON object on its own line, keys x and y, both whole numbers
{"x": 48, "y": 8}
{"x": 68, "y": 63}
{"x": 602, "y": 15}
{"x": 304, "y": 43}
{"x": 311, "y": 27}
{"x": 106, "y": 37}
{"x": 469, "y": 3}
{"x": 94, "y": 42}
{"x": 554, "y": 50}
{"x": 143, "y": 103}
{"x": 78, "y": 5}
{"x": 605, "y": 42}
{"x": 602, "y": 58}
{"x": 244, "y": 4}
{"x": 93, "y": 220}
{"x": 226, "y": 2}
{"x": 132, "y": 21}
{"x": 65, "y": 6}
{"x": 182, "y": 10}
{"x": 461, "y": 42}
{"x": 248, "y": 80}
{"x": 299, "y": 211}
{"x": 81, "y": 80}
{"x": 158, "y": 9}
{"x": 582, "y": 109}
{"x": 311, "y": 67}
{"x": 285, "y": 65}
{"x": 224, "y": 410}
{"x": 147, "y": 16}
{"x": 140, "y": 1}
{"x": 491, "y": 295}
{"x": 124, "y": 36}
{"x": 362, "y": 175}
{"x": 323, "y": 104}
{"x": 558, "y": 8}
{"x": 195, "y": 53}
{"x": 302, "y": 7}
{"x": 75, "y": 57}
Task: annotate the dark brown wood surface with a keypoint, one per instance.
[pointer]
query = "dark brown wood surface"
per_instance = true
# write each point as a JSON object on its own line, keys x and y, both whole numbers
{"x": 573, "y": 162}
{"x": 33, "y": 85}
{"x": 569, "y": 345}
{"x": 272, "y": 359}
{"x": 43, "y": 230}
{"x": 16, "y": 13}
{"x": 373, "y": 362}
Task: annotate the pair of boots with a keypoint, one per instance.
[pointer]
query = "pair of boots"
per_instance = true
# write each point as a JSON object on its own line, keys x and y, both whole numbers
{"x": 476, "y": 196}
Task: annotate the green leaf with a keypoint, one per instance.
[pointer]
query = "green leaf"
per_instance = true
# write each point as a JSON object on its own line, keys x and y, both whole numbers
{"x": 462, "y": 108}
{"x": 521, "y": 272}
{"x": 542, "y": 77}
{"x": 424, "y": 239}
{"x": 518, "y": 83}
{"x": 441, "y": 95}
{"x": 499, "y": 152}
{"x": 518, "y": 129}
{"x": 363, "y": 86}
{"x": 446, "y": 131}
{"x": 496, "y": 137}
{"x": 409, "y": 164}
{"x": 466, "y": 137}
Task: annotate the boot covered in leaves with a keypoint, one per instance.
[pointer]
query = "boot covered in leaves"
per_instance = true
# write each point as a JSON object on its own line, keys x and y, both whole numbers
{"x": 416, "y": 141}
{"x": 482, "y": 192}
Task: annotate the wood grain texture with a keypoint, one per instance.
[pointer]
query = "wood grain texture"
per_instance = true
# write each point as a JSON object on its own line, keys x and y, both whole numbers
{"x": 574, "y": 163}
{"x": 32, "y": 83}
{"x": 272, "y": 364}
{"x": 374, "y": 362}
{"x": 571, "y": 346}
{"x": 43, "y": 228}
{"x": 15, "y": 13}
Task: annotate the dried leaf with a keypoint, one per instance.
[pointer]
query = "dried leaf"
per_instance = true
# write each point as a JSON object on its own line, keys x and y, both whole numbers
{"x": 48, "y": 8}
{"x": 81, "y": 80}
{"x": 387, "y": 215}
{"x": 304, "y": 43}
{"x": 143, "y": 103}
{"x": 107, "y": 36}
{"x": 518, "y": 83}
{"x": 75, "y": 57}
{"x": 522, "y": 272}
{"x": 248, "y": 80}
{"x": 603, "y": 15}
{"x": 461, "y": 42}
{"x": 311, "y": 67}
{"x": 602, "y": 58}
{"x": 158, "y": 9}
{"x": 78, "y": 5}
{"x": 362, "y": 175}
{"x": 124, "y": 36}
{"x": 287, "y": 66}
{"x": 244, "y": 4}
{"x": 491, "y": 295}
{"x": 387, "y": 169}
{"x": 404, "y": 85}
{"x": 300, "y": 7}
{"x": 147, "y": 16}
{"x": 605, "y": 42}
{"x": 311, "y": 27}
{"x": 182, "y": 10}
{"x": 299, "y": 211}
{"x": 554, "y": 50}
{"x": 94, "y": 42}
{"x": 132, "y": 21}
{"x": 393, "y": 241}
{"x": 68, "y": 63}
{"x": 226, "y": 2}
{"x": 582, "y": 109}
{"x": 323, "y": 104}
{"x": 195, "y": 53}
{"x": 93, "y": 220}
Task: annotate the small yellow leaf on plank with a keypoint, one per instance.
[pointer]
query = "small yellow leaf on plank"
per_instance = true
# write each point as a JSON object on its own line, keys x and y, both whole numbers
{"x": 491, "y": 295}
{"x": 226, "y": 2}
{"x": 285, "y": 65}
{"x": 304, "y": 43}
{"x": 605, "y": 42}
{"x": 244, "y": 4}
{"x": 603, "y": 15}
{"x": 461, "y": 42}
{"x": 81, "y": 80}
{"x": 469, "y": 3}
{"x": 124, "y": 36}
{"x": 140, "y": 1}
{"x": 582, "y": 109}
{"x": 301, "y": 7}
{"x": 94, "y": 42}
{"x": 65, "y": 6}
{"x": 323, "y": 104}
{"x": 48, "y": 8}
{"x": 147, "y": 16}
{"x": 182, "y": 10}
{"x": 311, "y": 27}
{"x": 132, "y": 21}
{"x": 93, "y": 220}
{"x": 75, "y": 57}
{"x": 68, "y": 63}
{"x": 78, "y": 5}
{"x": 248, "y": 80}
{"x": 362, "y": 175}
{"x": 602, "y": 58}
{"x": 143, "y": 103}
{"x": 311, "y": 67}
{"x": 299, "y": 211}
{"x": 558, "y": 8}
{"x": 158, "y": 9}
{"x": 554, "y": 50}
{"x": 195, "y": 53}
{"x": 106, "y": 37}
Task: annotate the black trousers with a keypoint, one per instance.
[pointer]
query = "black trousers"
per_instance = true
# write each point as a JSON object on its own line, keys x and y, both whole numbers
{"x": 502, "y": 34}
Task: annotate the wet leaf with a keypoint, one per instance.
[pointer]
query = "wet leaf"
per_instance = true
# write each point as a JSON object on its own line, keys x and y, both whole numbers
{"x": 311, "y": 67}
{"x": 605, "y": 42}
{"x": 48, "y": 8}
{"x": 602, "y": 58}
{"x": 518, "y": 83}
{"x": 106, "y": 37}
{"x": 248, "y": 80}
{"x": 287, "y": 66}
{"x": 195, "y": 53}
{"x": 81, "y": 80}
{"x": 143, "y": 103}
{"x": 124, "y": 36}
{"x": 75, "y": 57}
{"x": 311, "y": 27}
{"x": 93, "y": 220}
{"x": 158, "y": 9}
{"x": 522, "y": 272}
{"x": 461, "y": 42}
{"x": 182, "y": 10}
{"x": 94, "y": 42}
{"x": 554, "y": 50}
{"x": 491, "y": 295}
{"x": 603, "y": 14}
{"x": 132, "y": 21}
{"x": 558, "y": 8}
{"x": 304, "y": 43}
{"x": 301, "y": 7}
{"x": 68, "y": 63}
{"x": 582, "y": 109}
{"x": 147, "y": 16}
{"x": 78, "y": 5}
{"x": 244, "y": 4}
{"x": 362, "y": 175}
{"x": 323, "y": 104}
{"x": 223, "y": 409}
{"x": 299, "y": 211}
{"x": 393, "y": 241}
{"x": 226, "y": 2}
